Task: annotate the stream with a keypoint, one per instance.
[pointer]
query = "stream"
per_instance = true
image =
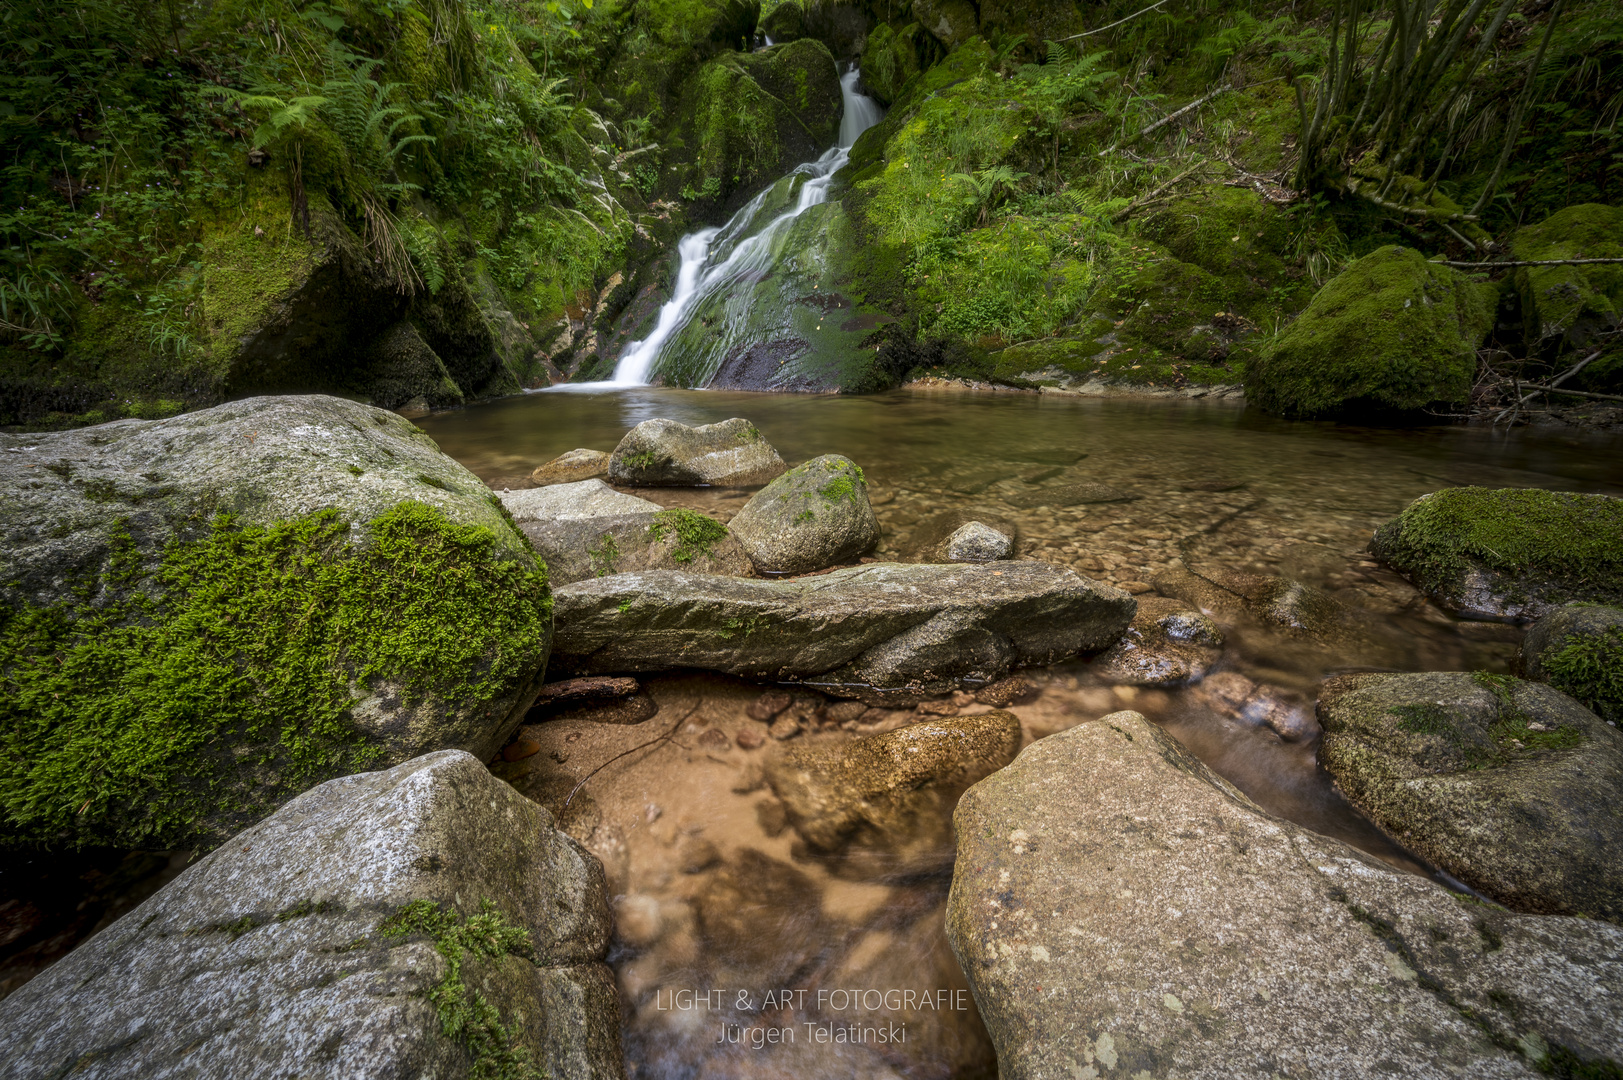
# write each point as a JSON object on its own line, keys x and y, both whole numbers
{"x": 712, "y": 892}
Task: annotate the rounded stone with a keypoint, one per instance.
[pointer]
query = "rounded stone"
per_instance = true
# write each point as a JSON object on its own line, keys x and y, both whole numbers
{"x": 978, "y": 542}
{"x": 813, "y": 516}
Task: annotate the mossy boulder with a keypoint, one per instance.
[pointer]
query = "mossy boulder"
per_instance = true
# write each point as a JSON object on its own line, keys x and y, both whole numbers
{"x": 951, "y": 22}
{"x": 487, "y": 925}
{"x": 813, "y": 516}
{"x": 202, "y": 616}
{"x": 1569, "y": 305}
{"x": 1510, "y": 786}
{"x": 665, "y": 453}
{"x": 1508, "y": 553}
{"x": 1578, "y": 649}
{"x": 785, "y": 22}
{"x": 889, "y": 59}
{"x": 1391, "y": 334}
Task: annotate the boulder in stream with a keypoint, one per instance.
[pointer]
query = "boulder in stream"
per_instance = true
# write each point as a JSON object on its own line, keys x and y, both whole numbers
{"x": 1510, "y": 786}
{"x": 1578, "y": 649}
{"x": 665, "y": 453}
{"x": 588, "y": 529}
{"x": 222, "y": 596}
{"x": 815, "y": 515}
{"x": 883, "y": 633}
{"x": 1120, "y": 910}
{"x": 975, "y": 541}
{"x": 342, "y": 936}
{"x": 1509, "y": 553}
{"x": 885, "y": 801}
{"x": 572, "y": 467}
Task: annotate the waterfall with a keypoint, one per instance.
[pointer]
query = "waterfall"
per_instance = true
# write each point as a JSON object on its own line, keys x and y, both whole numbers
{"x": 713, "y": 258}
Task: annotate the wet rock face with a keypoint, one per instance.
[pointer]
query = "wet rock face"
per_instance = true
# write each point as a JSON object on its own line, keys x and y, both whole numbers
{"x": 1121, "y": 910}
{"x": 813, "y": 516}
{"x": 1508, "y": 785}
{"x": 1509, "y": 553}
{"x": 1578, "y": 649}
{"x": 223, "y": 619}
{"x": 572, "y": 467}
{"x": 1168, "y": 644}
{"x": 978, "y": 542}
{"x": 884, "y": 632}
{"x": 886, "y": 800}
{"x": 664, "y": 453}
{"x": 307, "y": 946}
{"x": 587, "y": 529}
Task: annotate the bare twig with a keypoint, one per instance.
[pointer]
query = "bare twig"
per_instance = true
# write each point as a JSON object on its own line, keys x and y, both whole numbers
{"x": 1576, "y": 393}
{"x": 1143, "y": 200}
{"x": 1168, "y": 119}
{"x": 1527, "y": 262}
{"x": 1118, "y": 22}
{"x": 641, "y": 746}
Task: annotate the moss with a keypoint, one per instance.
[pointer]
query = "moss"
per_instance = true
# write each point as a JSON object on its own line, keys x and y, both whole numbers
{"x": 694, "y": 534}
{"x": 1590, "y": 668}
{"x": 604, "y": 555}
{"x": 850, "y": 483}
{"x": 1392, "y": 333}
{"x": 465, "y": 1015}
{"x": 194, "y": 694}
{"x": 1560, "y": 545}
{"x": 644, "y": 459}
{"x": 1569, "y": 305}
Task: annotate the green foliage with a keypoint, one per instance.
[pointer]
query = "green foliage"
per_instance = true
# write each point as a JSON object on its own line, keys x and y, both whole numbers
{"x": 243, "y": 651}
{"x": 1590, "y": 669}
{"x": 604, "y": 555}
{"x": 694, "y": 533}
{"x": 465, "y": 1014}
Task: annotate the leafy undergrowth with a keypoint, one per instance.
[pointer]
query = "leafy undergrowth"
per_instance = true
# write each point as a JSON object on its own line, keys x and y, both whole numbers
{"x": 169, "y": 702}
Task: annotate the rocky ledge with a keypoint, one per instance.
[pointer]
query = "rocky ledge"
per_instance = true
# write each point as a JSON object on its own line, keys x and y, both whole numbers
{"x": 882, "y": 633}
{"x": 1122, "y": 911}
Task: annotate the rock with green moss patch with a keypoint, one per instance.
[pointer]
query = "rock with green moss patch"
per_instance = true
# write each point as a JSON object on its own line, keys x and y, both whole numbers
{"x": 889, "y": 59}
{"x": 1508, "y": 785}
{"x": 951, "y": 22}
{"x": 1120, "y": 910}
{"x": 884, "y": 633}
{"x": 1508, "y": 553}
{"x": 1569, "y": 305}
{"x": 1578, "y": 649}
{"x": 884, "y": 802}
{"x": 1391, "y": 334}
{"x": 665, "y": 453}
{"x": 588, "y": 529}
{"x": 813, "y": 516}
{"x": 785, "y": 22}
{"x": 426, "y": 920}
{"x": 222, "y": 609}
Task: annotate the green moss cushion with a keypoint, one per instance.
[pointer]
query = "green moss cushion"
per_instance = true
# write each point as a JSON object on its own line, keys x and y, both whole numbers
{"x": 1392, "y": 333}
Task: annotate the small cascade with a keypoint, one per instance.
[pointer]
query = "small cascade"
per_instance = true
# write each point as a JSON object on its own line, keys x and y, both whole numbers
{"x": 714, "y": 258}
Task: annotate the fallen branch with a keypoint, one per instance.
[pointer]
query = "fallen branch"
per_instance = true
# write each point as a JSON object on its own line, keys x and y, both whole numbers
{"x": 1528, "y": 262}
{"x": 1575, "y": 393}
{"x": 1168, "y": 119}
{"x": 1118, "y": 22}
{"x": 1140, "y": 202}
{"x": 641, "y": 746}
{"x": 1418, "y": 211}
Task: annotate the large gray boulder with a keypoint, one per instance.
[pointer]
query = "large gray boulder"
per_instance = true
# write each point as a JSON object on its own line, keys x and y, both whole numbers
{"x": 588, "y": 529}
{"x": 1122, "y": 911}
{"x": 815, "y": 515}
{"x": 226, "y": 596}
{"x": 1510, "y": 553}
{"x": 1510, "y": 786}
{"x": 885, "y": 801}
{"x": 884, "y": 632}
{"x": 1578, "y": 649}
{"x": 665, "y": 453}
{"x": 341, "y": 936}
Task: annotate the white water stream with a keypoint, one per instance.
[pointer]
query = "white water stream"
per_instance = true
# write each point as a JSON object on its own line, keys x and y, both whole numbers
{"x": 714, "y": 258}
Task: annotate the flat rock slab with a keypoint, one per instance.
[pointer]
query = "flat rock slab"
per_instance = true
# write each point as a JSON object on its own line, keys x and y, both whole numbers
{"x": 1510, "y": 786}
{"x": 883, "y": 632}
{"x": 1122, "y": 911}
{"x": 271, "y": 957}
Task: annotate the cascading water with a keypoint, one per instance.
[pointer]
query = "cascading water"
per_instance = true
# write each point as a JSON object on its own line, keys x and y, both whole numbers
{"x": 714, "y": 258}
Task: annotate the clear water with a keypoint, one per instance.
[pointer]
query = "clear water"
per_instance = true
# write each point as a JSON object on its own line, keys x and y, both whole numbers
{"x": 714, "y": 259}
{"x": 1215, "y": 488}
